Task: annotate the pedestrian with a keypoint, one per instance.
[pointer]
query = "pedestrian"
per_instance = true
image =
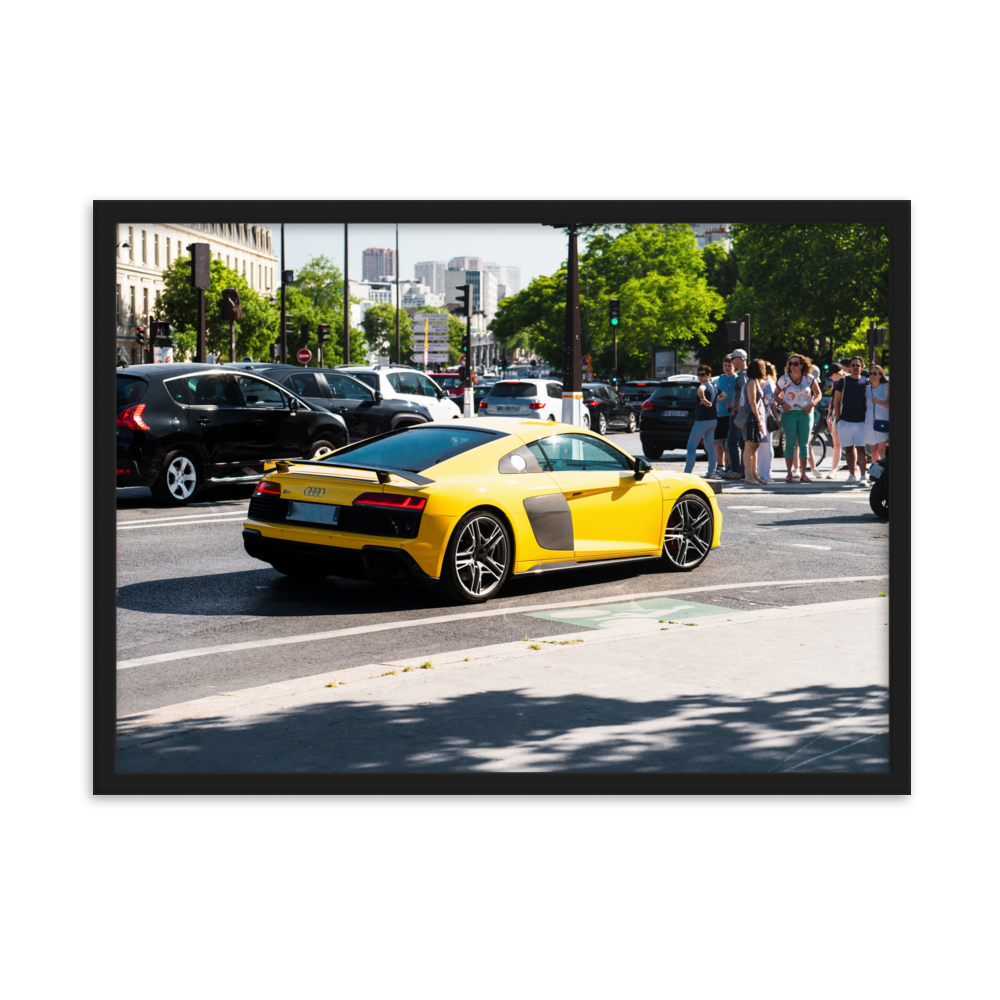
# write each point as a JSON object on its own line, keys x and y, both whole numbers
{"x": 755, "y": 429}
{"x": 724, "y": 383}
{"x": 735, "y": 440}
{"x": 831, "y": 423}
{"x": 850, "y": 406}
{"x": 705, "y": 418}
{"x": 798, "y": 393}
{"x": 765, "y": 452}
{"x": 878, "y": 437}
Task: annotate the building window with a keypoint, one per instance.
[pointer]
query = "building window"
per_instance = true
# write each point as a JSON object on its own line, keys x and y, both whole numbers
{"x": 144, "y": 246}
{"x": 118, "y": 304}
{"x": 156, "y": 249}
{"x": 131, "y": 304}
{"x": 227, "y": 260}
{"x": 156, "y": 308}
{"x": 131, "y": 244}
{"x": 245, "y": 267}
{"x": 168, "y": 251}
{"x": 145, "y": 306}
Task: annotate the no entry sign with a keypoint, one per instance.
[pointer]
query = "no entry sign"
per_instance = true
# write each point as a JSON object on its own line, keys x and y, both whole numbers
{"x": 305, "y": 355}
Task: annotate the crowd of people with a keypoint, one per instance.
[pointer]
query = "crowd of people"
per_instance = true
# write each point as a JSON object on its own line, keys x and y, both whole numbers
{"x": 738, "y": 411}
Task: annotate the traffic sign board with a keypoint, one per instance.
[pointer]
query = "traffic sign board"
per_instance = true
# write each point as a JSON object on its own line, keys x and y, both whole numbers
{"x": 432, "y": 359}
{"x": 432, "y": 338}
{"x": 305, "y": 355}
{"x": 431, "y": 327}
{"x": 429, "y": 318}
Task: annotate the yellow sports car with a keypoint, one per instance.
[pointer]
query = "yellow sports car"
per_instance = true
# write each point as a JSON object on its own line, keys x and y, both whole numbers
{"x": 472, "y": 502}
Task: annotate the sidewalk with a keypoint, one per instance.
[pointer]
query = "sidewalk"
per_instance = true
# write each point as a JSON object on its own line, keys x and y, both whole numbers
{"x": 754, "y": 691}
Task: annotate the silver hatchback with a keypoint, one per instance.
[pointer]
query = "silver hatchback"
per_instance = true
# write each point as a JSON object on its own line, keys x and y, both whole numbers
{"x": 524, "y": 398}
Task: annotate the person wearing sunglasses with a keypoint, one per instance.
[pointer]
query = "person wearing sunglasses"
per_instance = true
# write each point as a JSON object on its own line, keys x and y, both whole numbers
{"x": 850, "y": 407}
{"x": 798, "y": 393}
{"x": 724, "y": 384}
{"x": 877, "y": 419}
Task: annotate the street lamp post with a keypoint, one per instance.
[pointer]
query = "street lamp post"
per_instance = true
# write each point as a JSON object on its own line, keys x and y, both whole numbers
{"x": 282, "y": 333}
{"x": 572, "y": 395}
{"x": 347, "y": 300}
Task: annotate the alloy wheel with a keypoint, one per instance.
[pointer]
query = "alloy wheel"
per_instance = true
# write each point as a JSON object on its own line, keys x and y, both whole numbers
{"x": 481, "y": 556}
{"x": 181, "y": 478}
{"x": 688, "y": 536}
{"x": 602, "y": 424}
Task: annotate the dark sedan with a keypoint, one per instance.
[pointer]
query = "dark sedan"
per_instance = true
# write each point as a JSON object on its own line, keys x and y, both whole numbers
{"x": 603, "y": 408}
{"x": 364, "y": 409}
{"x": 182, "y": 427}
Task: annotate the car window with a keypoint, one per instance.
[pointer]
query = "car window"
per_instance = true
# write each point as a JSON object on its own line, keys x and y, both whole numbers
{"x": 343, "y": 387}
{"x": 199, "y": 390}
{"x": 449, "y": 381}
{"x": 428, "y": 386}
{"x": 304, "y": 383}
{"x": 369, "y": 378}
{"x": 606, "y": 393}
{"x": 415, "y": 448}
{"x": 577, "y": 453}
{"x": 405, "y": 382}
{"x": 130, "y": 389}
{"x": 676, "y": 391}
{"x": 258, "y": 393}
{"x": 514, "y": 390}
{"x": 553, "y": 390}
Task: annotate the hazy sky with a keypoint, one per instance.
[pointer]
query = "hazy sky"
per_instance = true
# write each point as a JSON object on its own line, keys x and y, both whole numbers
{"x": 534, "y": 248}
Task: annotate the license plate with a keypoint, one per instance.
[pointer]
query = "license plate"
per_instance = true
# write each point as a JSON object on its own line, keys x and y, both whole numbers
{"x": 675, "y": 413}
{"x": 505, "y": 408}
{"x": 317, "y": 513}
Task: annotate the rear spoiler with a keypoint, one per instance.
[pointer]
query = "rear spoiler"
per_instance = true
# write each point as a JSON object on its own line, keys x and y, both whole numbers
{"x": 382, "y": 472}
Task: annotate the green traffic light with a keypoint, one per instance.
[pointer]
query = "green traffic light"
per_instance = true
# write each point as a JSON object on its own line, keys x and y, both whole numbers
{"x": 614, "y": 322}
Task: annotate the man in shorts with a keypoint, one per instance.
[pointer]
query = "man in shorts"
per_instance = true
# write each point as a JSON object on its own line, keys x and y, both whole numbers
{"x": 734, "y": 441}
{"x": 850, "y": 406}
{"x": 724, "y": 383}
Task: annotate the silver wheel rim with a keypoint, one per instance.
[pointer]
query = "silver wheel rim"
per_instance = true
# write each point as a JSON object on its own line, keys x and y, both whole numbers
{"x": 481, "y": 556}
{"x": 181, "y": 478}
{"x": 631, "y": 422}
{"x": 586, "y": 421}
{"x": 322, "y": 452}
{"x": 689, "y": 533}
{"x": 602, "y": 424}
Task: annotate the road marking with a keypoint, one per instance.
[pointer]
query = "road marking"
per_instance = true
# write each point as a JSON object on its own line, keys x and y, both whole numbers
{"x": 803, "y": 545}
{"x": 180, "y": 517}
{"x": 235, "y": 647}
{"x": 784, "y": 510}
{"x": 610, "y": 615}
{"x": 827, "y": 754}
{"x": 169, "y": 523}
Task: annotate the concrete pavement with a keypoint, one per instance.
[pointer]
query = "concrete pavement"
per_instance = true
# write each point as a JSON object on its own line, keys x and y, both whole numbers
{"x": 802, "y": 688}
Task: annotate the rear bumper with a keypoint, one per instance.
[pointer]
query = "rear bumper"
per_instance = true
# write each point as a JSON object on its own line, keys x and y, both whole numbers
{"x": 381, "y": 563}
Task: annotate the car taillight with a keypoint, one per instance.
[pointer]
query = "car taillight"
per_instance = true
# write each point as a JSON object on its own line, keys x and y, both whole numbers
{"x": 483, "y": 405}
{"x": 647, "y": 405}
{"x": 394, "y": 500}
{"x": 266, "y": 486}
{"x": 594, "y": 402}
{"x": 132, "y": 418}
{"x": 536, "y": 406}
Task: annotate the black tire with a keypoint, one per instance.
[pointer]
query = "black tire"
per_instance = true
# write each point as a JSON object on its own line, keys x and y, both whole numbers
{"x": 878, "y": 498}
{"x": 688, "y": 536}
{"x": 652, "y": 451}
{"x": 602, "y": 424}
{"x": 479, "y": 556}
{"x": 630, "y": 425}
{"x": 179, "y": 481}
{"x": 300, "y": 570}
{"x": 320, "y": 449}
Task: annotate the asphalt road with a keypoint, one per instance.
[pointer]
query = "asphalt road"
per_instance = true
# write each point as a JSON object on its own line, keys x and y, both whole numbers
{"x": 185, "y": 582}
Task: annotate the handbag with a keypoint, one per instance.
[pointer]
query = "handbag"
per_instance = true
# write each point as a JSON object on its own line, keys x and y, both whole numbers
{"x": 772, "y": 424}
{"x": 881, "y": 426}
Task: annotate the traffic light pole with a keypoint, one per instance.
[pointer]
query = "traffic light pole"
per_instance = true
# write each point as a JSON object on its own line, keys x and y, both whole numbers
{"x": 572, "y": 408}
{"x": 347, "y": 300}
{"x": 284, "y": 336}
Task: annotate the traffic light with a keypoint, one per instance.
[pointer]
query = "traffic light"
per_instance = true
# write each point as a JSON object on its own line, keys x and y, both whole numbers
{"x": 324, "y": 333}
{"x": 201, "y": 265}
{"x": 614, "y": 311}
{"x": 140, "y": 335}
{"x": 287, "y": 277}
{"x": 463, "y": 296}
{"x": 288, "y": 326}
{"x": 303, "y": 335}
{"x": 827, "y": 365}
{"x": 503, "y": 363}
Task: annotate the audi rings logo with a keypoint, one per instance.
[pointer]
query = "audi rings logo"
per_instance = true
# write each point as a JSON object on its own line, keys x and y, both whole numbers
{"x": 314, "y": 491}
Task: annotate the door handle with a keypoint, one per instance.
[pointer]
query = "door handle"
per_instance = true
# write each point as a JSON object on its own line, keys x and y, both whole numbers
{"x": 258, "y": 421}
{"x": 202, "y": 420}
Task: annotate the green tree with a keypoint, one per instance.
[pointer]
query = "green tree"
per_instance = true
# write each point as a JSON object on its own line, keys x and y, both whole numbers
{"x": 317, "y": 296}
{"x": 178, "y": 305}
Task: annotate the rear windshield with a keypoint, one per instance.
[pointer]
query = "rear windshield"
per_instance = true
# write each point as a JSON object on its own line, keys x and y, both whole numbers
{"x": 685, "y": 392}
{"x": 414, "y": 449}
{"x": 449, "y": 381}
{"x": 518, "y": 390}
{"x": 130, "y": 389}
{"x": 369, "y": 378}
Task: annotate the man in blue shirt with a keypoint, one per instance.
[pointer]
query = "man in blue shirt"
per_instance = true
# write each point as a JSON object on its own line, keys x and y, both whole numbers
{"x": 735, "y": 439}
{"x": 850, "y": 405}
{"x": 724, "y": 383}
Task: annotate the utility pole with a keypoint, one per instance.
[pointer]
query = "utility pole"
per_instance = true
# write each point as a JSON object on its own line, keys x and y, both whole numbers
{"x": 347, "y": 299}
{"x": 572, "y": 408}
{"x": 284, "y": 339}
{"x": 399, "y": 356}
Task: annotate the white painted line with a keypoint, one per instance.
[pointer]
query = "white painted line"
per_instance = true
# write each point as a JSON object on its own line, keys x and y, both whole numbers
{"x": 803, "y": 545}
{"x": 235, "y": 647}
{"x": 179, "y": 524}
{"x": 827, "y": 754}
{"x": 181, "y": 517}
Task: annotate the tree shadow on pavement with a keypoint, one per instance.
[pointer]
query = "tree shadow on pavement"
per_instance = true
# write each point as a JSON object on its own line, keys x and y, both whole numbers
{"x": 817, "y": 728}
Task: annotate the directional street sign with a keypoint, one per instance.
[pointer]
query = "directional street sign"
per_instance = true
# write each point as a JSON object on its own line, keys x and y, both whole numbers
{"x": 432, "y": 338}
{"x": 422, "y": 318}
{"x": 432, "y": 359}
{"x": 431, "y": 327}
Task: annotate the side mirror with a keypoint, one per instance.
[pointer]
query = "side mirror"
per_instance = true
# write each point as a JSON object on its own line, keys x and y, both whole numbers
{"x": 641, "y": 467}
{"x": 293, "y": 403}
{"x": 377, "y": 397}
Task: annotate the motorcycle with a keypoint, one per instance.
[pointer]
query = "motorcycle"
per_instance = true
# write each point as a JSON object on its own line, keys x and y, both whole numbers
{"x": 878, "y": 498}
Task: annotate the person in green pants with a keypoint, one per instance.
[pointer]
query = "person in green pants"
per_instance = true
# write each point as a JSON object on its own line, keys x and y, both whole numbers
{"x": 798, "y": 393}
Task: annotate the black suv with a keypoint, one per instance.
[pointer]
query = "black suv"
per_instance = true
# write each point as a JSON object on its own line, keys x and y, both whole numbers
{"x": 636, "y": 393}
{"x": 666, "y": 418}
{"x": 364, "y": 409}
{"x": 602, "y": 406}
{"x": 185, "y": 426}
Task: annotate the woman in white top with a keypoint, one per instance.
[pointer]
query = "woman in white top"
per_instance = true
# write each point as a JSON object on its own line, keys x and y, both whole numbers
{"x": 798, "y": 393}
{"x": 878, "y": 394}
{"x": 765, "y": 450}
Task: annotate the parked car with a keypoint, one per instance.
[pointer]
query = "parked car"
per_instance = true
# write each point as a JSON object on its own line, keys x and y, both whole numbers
{"x": 603, "y": 407}
{"x": 666, "y": 418}
{"x": 483, "y": 386}
{"x": 183, "y": 427}
{"x": 403, "y": 382}
{"x": 526, "y": 399}
{"x": 452, "y": 383}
